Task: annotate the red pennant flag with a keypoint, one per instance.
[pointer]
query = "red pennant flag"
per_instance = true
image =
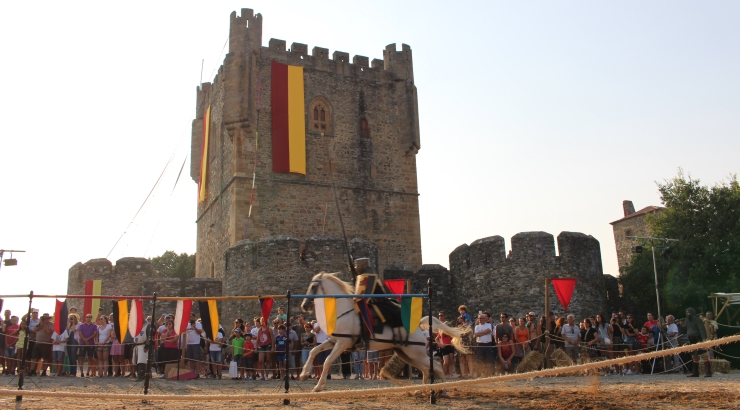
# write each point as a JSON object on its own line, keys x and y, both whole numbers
{"x": 60, "y": 316}
{"x": 182, "y": 315}
{"x": 395, "y": 286}
{"x": 564, "y": 290}
{"x": 266, "y": 307}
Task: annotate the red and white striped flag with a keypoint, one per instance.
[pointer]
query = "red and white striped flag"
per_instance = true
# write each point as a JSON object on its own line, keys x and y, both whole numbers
{"x": 182, "y": 315}
{"x": 135, "y": 318}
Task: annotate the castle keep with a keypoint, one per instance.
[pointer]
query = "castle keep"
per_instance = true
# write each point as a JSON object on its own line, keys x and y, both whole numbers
{"x": 361, "y": 117}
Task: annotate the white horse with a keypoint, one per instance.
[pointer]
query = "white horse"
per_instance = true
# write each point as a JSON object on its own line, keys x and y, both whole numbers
{"x": 347, "y": 331}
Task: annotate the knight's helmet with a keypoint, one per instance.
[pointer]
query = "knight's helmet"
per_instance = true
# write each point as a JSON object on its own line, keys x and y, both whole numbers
{"x": 367, "y": 281}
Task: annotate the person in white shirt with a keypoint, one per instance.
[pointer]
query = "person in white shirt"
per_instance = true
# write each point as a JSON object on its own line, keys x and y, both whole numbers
{"x": 672, "y": 336}
{"x": 214, "y": 350}
{"x": 192, "y": 352}
{"x": 59, "y": 345}
{"x": 484, "y": 337}
{"x": 321, "y": 337}
{"x": 102, "y": 347}
{"x": 572, "y": 334}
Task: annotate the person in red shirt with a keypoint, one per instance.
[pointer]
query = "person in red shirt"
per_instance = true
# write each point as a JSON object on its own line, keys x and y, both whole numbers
{"x": 651, "y": 322}
{"x": 10, "y": 339}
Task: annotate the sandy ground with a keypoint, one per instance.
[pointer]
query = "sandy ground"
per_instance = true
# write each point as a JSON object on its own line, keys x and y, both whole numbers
{"x": 672, "y": 391}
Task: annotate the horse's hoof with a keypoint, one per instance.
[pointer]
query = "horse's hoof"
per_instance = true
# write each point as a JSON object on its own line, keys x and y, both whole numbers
{"x": 303, "y": 377}
{"x": 317, "y": 389}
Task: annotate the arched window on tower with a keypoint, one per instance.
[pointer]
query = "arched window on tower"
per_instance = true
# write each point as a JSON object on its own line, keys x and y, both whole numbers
{"x": 320, "y": 116}
{"x": 364, "y": 129}
{"x": 213, "y": 270}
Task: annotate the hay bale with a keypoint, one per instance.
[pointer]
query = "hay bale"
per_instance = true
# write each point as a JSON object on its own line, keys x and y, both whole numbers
{"x": 718, "y": 366}
{"x": 532, "y": 361}
{"x": 560, "y": 359}
{"x": 393, "y": 367}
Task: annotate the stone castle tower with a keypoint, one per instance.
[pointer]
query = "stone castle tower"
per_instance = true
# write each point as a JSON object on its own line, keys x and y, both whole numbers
{"x": 368, "y": 130}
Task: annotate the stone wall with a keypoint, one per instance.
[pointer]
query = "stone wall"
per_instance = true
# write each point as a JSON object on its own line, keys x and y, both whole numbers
{"x": 277, "y": 264}
{"x": 481, "y": 275}
{"x": 484, "y": 278}
{"x": 375, "y": 176}
{"x": 133, "y": 277}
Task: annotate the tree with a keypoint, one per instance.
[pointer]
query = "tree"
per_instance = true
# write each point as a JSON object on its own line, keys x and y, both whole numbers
{"x": 172, "y": 265}
{"x": 706, "y": 221}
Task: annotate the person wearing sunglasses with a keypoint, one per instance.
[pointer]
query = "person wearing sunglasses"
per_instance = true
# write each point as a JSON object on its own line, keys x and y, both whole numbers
{"x": 88, "y": 334}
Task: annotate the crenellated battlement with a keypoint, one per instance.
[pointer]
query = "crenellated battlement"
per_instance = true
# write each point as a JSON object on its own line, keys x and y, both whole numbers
{"x": 132, "y": 276}
{"x": 245, "y": 35}
{"x": 395, "y": 64}
{"x": 482, "y": 274}
{"x": 245, "y": 31}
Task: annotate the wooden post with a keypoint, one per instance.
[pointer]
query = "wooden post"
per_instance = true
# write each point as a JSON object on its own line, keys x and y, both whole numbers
{"x": 547, "y": 323}
{"x": 432, "y": 398}
{"x": 150, "y": 342}
{"x": 286, "y": 377}
{"x": 22, "y": 369}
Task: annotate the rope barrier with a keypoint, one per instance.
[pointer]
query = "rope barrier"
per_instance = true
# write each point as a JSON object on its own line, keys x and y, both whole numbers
{"x": 345, "y": 394}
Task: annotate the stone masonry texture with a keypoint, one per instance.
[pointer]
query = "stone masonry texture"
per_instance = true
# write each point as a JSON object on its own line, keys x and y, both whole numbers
{"x": 481, "y": 275}
{"x": 133, "y": 277}
{"x": 375, "y": 174}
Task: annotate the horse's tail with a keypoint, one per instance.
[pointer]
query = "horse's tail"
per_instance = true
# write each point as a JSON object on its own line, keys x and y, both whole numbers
{"x": 455, "y": 332}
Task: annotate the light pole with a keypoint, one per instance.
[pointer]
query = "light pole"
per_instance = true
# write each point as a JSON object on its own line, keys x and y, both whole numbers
{"x": 638, "y": 249}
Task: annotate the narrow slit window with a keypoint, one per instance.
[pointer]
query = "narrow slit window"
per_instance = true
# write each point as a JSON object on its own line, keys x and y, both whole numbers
{"x": 364, "y": 129}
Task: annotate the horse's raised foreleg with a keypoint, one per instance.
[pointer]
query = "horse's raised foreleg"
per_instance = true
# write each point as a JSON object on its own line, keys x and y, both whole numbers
{"x": 328, "y": 344}
{"x": 340, "y": 346}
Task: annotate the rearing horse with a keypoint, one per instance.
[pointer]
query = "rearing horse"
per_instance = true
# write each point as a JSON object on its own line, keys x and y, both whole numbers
{"x": 412, "y": 351}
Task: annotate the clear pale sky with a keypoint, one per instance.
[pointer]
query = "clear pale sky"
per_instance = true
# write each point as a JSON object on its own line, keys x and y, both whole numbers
{"x": 534, "y": 116}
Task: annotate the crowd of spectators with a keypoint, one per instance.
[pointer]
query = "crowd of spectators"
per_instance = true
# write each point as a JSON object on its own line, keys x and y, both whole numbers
{"x": 257, "y": 349}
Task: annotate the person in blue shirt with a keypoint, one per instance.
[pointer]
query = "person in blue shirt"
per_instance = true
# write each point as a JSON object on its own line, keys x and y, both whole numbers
{"x": 281, "y": 347}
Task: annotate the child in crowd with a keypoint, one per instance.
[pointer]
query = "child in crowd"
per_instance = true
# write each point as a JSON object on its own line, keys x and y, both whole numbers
{"x": 238, "y": 343}
{"x": 116, "y": 354}
{"x": 281, "y": 347}
{"x": 248, "y": 357}
{"x": 644, "y": 338}
{"x": 59, "y": 346}
{"x": 281, "y": 314}
{"x": 463, "y": 311}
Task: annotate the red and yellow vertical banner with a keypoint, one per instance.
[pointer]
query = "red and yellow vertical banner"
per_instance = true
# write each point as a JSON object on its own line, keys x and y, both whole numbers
{"x": 90, "y": 306}
{"x": 204, "y": 156}
{"x": 288, "y": 119}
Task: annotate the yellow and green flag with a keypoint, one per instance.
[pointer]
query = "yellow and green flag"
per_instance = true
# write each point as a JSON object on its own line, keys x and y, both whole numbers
{"x": 411, "y": 313}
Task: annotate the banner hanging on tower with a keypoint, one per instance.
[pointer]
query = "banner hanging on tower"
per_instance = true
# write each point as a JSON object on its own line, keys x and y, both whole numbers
{"x": 288, "y": 119}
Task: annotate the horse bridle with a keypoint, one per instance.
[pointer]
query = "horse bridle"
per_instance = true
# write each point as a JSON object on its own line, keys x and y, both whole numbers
{"x": 313, "y": 289}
